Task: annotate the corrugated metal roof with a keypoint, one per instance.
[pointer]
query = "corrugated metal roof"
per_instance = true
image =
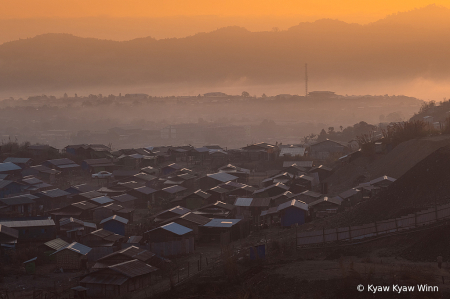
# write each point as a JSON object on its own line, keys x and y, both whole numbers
{"x": 56, "y": 244}
{"x": 305, "y": 177}
{"x": 63, "y": 161}
{"x": 197, "y": 219}
{"x": 17, "y": 160}
{"x": 13, "y": 233}
{"x": 243, "y": 202}
{"x": 145, "y": 190}
{"x": 8, "y": 166}
{"x": 123, "y": 198}
{"x": 55, "y": 193}
{"x": 320, "y": 167}
{"x": 90, "y": 194}
{"x": 75, "y": 247}
{"x": 102, "y": 200}
{"x": 32, "y": 180}
{"x": 89, "y": 224}
{"x": 293, "y": 203}
{"x": 134, "y": 239}
{"x": 28, "y": 223}
{"x": 112, "y": 206}
{"x": 116, "y": 218}
{"x": 222, "y": 177}
{"x": 349, "y": 193}
{"x": 4, "y": 183}
{"x": 174, "y": 189}
{"x": 176, "y": 228}
{"x": 84, "y": 205}
{"x": 19, "y": 200}
{"x": 146, "y": 177}
{"x": 68, "y": 166}
{"x": 218, "y": 189}
{"x": 222, "y": 222}
{"x": 133, "y": 268}
{"x": 260, "y": 202}
{"x": 31, "y": 260}
{"x": 202, "y": 194}
{"x": 83, "y": 188}
{"x": 97, "y": 278}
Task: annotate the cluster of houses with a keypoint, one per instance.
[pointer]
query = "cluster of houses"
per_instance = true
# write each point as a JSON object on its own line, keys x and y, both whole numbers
{"x": 94, "y": 225}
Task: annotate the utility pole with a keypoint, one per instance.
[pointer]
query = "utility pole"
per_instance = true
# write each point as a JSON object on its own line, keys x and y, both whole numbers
{"x": 306, "y": 80}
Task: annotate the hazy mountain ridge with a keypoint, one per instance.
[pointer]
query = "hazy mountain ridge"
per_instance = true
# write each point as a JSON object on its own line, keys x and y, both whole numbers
{"x": 334, "y": 50}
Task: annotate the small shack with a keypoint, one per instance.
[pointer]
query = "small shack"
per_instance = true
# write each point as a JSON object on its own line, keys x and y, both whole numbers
{"x": 222, "y": 230}
{"x": 118, "y": 279}
{"x": 115, "y": 224}
{"x": 293, "y": 212}
{"x": 72, "y": 256}
{"x": 171, "y": 239}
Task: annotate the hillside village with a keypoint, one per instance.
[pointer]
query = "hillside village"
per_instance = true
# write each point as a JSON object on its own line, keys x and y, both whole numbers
{"x": 99, "y": 222}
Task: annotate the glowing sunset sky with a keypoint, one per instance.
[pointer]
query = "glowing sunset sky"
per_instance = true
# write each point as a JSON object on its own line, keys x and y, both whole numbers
{"x": 361, "y": 11}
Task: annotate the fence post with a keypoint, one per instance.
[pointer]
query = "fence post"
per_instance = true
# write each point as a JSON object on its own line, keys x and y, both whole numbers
{"x": 188, "y": 269}
{"x": 323, "y": 235}
{"x": 376, "y": 229}
{"x": 296, "y": 238}
{"x": 396, "y": 224}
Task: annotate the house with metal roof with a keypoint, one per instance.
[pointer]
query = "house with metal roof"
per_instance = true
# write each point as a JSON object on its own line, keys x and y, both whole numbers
{"x": 18, "y": 205}
{"x": 307, "y": 196}
{"x": 8, "y": 188}
{"x": 189, "y": 220}
{"x": 214, "y": 179}
{"x": 115, "y": 224}
{"x": 102, "y": 238}
{"x": 125, "y": 200}
{"x": 260, "y": 152}
{"x": 171, "y": 239}
{"x": 21, "y": 162}
{"x": 127, "y": 254}
{"x": 66, "y": 166}
{"x": 166, "y": 170}
{"x": 195, "y": 199}
{"x": 75, "y": 228}
{"x": 33, "y": 230}
{"x": 52, "y": 199}
{"x": 172, "y": 192}
{"x": 97, "y": 165}
{"x": 351, "y": 197}
{"x": 223, "y": 231}
{"x": 102, "y": 200}
{"x": 144, "y": 195}
{"x": 322, "y": 171}
{"x": 325, "y": 206}
{"x": 324, "y": 149}
{"x": 119, "y": 279}
{"x": 42, "y": 172}
{"x": 9, "y": 168}
{"x": 72, "y": 256}
{"x": 292, "y": 212}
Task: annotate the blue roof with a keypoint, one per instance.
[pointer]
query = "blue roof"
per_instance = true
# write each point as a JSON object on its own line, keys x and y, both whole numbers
{"x": 102, "y": 200}
{"x": 176, "y": 228}
{"x": 8, "y": 166}
{"x": 222, "y": 222}
{"x": 75, "y": 247}
{"x": 243, "y": 202}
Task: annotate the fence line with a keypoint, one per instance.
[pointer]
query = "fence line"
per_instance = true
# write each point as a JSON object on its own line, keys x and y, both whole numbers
{"x": 350, "y": 233}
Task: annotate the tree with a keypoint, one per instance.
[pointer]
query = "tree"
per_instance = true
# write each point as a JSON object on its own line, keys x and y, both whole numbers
{"x": 245, "y": 94}
{"x": 263, "y": 95}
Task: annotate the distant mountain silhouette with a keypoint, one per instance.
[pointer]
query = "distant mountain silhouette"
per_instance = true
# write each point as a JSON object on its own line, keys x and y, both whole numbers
{"x": 402, "y": 46}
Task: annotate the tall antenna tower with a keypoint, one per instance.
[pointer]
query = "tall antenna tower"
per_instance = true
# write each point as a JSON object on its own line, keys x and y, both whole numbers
{"x": 306, "y": 80}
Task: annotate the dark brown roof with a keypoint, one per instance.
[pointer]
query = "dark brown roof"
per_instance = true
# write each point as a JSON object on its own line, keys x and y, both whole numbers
{"x": 260, "y": 202}
{"x": 133, "y": 268}
{"x": 84, "y": 205}
{"x": 91, "y": 194}
{"x": 132, "y": 252}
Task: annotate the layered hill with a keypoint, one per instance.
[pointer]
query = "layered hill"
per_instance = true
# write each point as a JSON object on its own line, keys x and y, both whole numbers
{"x": 393, "y": 49}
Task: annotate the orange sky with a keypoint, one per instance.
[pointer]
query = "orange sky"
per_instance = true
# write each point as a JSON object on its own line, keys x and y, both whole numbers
{"x": 361, "y": 11}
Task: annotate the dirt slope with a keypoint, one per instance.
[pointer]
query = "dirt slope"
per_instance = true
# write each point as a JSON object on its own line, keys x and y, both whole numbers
{"x": 395, "y": 163}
